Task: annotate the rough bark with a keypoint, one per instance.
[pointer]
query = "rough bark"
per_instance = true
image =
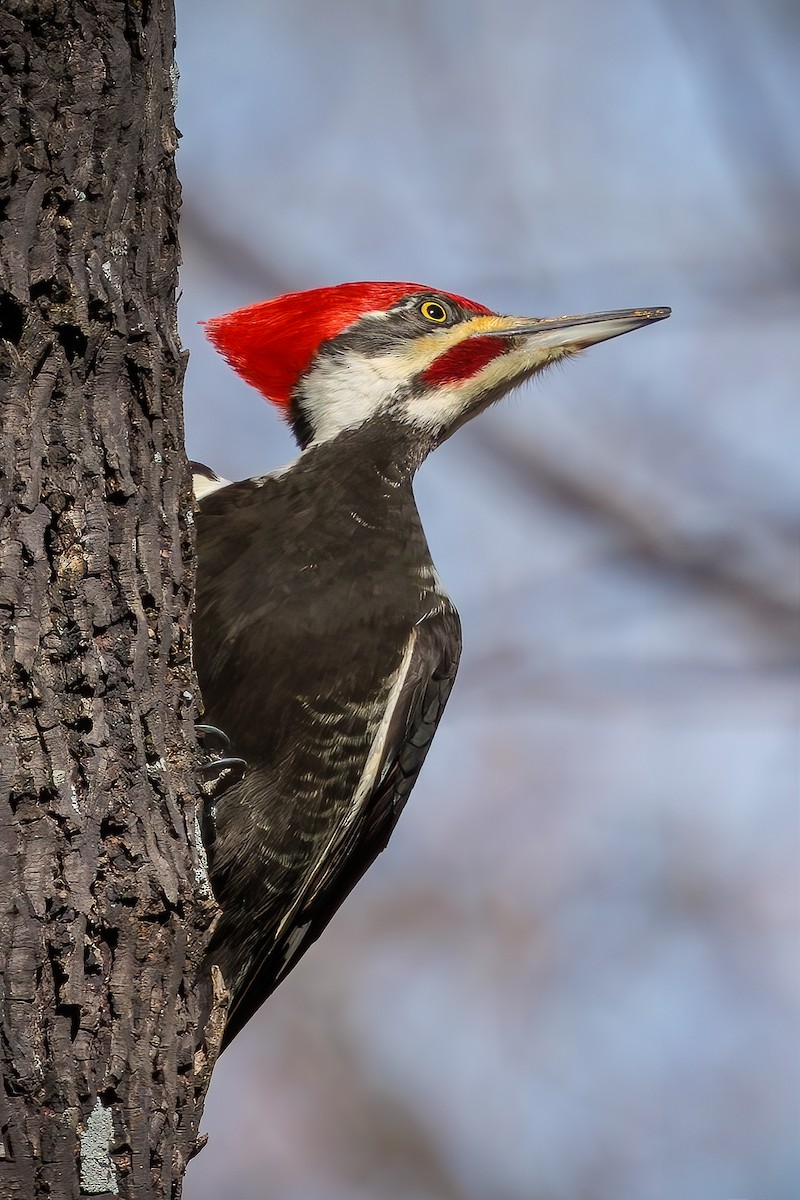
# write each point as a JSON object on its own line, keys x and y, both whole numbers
{"x": 104, "y": 904}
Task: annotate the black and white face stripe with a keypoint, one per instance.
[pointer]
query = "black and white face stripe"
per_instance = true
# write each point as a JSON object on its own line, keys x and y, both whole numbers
{"x": 372, "y": 362}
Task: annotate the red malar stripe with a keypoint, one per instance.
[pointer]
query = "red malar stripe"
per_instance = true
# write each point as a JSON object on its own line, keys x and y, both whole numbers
{"x": 464, "y": 360}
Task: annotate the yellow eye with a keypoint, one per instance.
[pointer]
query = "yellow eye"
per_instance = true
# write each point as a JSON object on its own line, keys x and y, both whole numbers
{"x": 432, "y": 311}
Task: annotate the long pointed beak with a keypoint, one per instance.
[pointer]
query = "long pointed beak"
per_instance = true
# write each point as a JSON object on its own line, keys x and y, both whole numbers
{"x": 569, "y": 333}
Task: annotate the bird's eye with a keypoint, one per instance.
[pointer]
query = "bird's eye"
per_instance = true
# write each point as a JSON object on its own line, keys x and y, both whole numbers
{"x": 433, "y": 311}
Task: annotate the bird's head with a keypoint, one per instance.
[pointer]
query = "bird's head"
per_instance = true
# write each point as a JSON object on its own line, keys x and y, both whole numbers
{"x": 337, "y": 357}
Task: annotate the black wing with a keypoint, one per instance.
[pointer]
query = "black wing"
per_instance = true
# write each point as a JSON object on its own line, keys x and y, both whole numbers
{"x": 415, "y": 707}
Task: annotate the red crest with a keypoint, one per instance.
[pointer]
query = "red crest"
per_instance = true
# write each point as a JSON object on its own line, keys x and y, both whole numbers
{"x": 271, "y": 344}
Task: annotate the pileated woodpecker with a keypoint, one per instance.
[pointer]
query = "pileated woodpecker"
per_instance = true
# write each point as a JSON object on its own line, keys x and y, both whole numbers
{"x": 325, "y": 645}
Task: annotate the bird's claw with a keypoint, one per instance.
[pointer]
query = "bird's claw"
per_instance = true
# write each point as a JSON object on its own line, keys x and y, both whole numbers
{"x": 220, "y": 768}
{"x": 221, "y": 773}
{"x": 213, "y": 740}
{"x": 218, "y": 772}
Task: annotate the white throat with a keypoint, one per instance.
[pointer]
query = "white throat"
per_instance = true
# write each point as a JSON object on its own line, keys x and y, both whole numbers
{"x": 344, "y": 391}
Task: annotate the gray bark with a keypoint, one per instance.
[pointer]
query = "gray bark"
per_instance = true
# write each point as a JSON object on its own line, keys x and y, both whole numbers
{"x": 104, "y": 904}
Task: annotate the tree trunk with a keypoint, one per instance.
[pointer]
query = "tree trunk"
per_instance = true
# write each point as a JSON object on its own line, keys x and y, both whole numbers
{"x": 104, "y": 900}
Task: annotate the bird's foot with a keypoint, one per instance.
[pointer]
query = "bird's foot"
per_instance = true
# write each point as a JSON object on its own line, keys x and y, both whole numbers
{"x": 218, "y": 772}
{"x": 220, "y": 769}
{"x": 222, "y": 773}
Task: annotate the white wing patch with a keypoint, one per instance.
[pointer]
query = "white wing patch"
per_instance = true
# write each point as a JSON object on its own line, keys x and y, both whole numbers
{"x": 293, "y": 942}
{"x": 369, "y": 779}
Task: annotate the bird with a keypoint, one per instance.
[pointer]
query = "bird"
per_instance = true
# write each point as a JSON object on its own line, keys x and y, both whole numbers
{"x": 325, "y": 644}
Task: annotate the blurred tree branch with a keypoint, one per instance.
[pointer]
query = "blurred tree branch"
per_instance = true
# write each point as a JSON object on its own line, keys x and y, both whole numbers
{"x": 755, "y": 566}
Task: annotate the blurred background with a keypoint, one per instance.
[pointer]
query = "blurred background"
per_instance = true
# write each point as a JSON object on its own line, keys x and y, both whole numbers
{"x": 575, "y": 973}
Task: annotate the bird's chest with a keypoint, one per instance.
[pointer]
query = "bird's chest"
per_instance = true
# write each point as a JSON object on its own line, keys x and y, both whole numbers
{"x": 359, "y": 580}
